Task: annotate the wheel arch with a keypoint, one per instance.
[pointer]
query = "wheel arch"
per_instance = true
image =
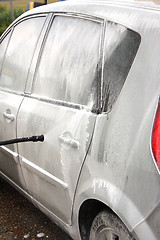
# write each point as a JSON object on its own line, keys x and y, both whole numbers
{"x": 89, "y": 202}
{"x": 88, "y": 211}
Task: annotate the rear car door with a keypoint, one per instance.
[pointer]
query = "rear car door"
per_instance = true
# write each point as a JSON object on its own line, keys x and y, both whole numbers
{"x": 16, "y": 52}
{"x": 63, "y": 104}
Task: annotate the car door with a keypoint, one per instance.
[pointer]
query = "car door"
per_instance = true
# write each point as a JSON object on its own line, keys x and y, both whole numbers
{"x": 63, "y": 107}
{"x": 17, "y": 51}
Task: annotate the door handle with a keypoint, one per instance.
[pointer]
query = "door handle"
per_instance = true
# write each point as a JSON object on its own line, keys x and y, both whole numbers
{"x": 67, "y": 139}
{"x": 9, "y": 116}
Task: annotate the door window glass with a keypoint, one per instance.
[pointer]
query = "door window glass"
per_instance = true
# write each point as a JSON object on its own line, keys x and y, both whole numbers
{"x": 19, "y": 53}
{"x": 68, "y": 66}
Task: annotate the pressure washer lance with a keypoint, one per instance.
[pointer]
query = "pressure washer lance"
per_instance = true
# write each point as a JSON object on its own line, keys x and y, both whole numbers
{"x": 25, "y": 139}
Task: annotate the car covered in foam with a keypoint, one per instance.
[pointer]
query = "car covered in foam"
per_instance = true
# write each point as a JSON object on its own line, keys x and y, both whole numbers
{"x": 85, "y": 75}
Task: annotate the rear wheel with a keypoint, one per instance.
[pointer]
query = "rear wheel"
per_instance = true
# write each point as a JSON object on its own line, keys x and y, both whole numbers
{"x": 107, "y": 226}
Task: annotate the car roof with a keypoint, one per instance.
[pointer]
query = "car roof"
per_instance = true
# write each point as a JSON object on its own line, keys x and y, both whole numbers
{"x": 141, "y": 3}
{"x": 134, "y": 14}
{"x": 65, "y": 5}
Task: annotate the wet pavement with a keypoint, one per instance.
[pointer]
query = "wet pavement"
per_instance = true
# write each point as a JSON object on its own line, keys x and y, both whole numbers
{"x": 19, "y": 219}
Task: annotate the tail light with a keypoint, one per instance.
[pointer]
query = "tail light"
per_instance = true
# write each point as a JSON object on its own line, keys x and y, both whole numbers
{"x": 156, "y": 137}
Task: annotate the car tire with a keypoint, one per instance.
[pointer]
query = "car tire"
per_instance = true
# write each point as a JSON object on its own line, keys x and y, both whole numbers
{"x": 107, "y": 226}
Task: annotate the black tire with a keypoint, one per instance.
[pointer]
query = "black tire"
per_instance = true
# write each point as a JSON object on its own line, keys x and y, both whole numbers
{"x": 107, "y": 226}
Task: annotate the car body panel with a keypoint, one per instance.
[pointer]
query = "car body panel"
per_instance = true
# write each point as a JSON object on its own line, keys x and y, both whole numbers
{"x": 149, "y": 227}
{"x": 52, "y": 177}
{"x": 125, "y": 180}
{"x": 9, "y": 165}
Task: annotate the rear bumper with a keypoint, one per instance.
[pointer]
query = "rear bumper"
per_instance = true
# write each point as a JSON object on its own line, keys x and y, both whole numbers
{"x": 150, "y": 227}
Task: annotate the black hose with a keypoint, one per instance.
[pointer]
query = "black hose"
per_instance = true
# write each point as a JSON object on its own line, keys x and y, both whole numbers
{"x": 25, "y": 139}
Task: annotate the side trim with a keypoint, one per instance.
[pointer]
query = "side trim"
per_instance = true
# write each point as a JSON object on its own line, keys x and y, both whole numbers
{"x": 42, "y": 173}
{"x": 10, "y": 153}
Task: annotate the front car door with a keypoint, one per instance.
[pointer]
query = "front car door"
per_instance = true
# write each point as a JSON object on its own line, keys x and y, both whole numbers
{"x": 16, "y": 52}
{"x": 63, "y": 106}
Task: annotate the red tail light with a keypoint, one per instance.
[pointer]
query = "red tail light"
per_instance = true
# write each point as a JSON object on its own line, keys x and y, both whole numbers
{"x": 156, "y": 137}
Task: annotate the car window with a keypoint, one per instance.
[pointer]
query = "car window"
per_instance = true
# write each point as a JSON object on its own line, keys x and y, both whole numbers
{"x": 19, "y": 53}
{"x": 121, "y": 45}
{"x": 68, "y": 66}
{"x": 3, "y": 46}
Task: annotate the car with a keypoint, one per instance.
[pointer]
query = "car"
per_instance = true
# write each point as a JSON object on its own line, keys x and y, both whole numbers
{"x": 84, "y": 76}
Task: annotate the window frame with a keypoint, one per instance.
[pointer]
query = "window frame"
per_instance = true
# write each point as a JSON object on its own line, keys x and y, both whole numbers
{"x": 98, "y": 78}
{"x": 11, "y": 30}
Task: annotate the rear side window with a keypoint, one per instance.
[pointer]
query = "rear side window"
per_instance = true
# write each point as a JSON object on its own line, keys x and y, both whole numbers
{"x": 19, "y": 53}
{"x": 68, "y": 66}
{"x": 121, "y": 45}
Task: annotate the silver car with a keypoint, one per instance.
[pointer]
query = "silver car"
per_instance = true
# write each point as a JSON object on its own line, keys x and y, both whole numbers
{"x": 86, "y": 76}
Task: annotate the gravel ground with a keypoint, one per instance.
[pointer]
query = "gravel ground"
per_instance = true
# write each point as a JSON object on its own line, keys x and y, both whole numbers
{"x": 19, "y": 219}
